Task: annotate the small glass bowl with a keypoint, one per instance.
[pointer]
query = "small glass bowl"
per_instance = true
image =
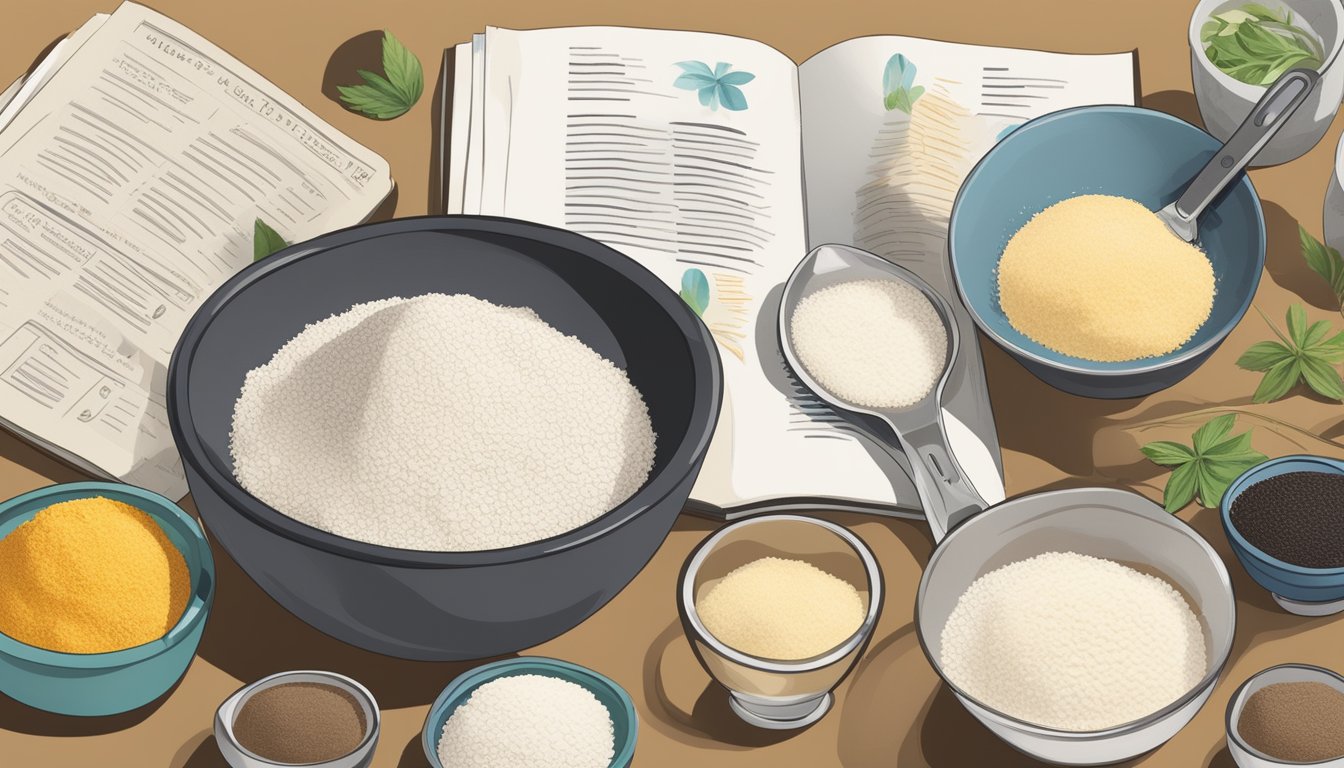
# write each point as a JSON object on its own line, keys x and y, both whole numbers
{"x": 1244, "y": 754}
{"x": 771, "y": 693}
{"x": 237, "y": 756}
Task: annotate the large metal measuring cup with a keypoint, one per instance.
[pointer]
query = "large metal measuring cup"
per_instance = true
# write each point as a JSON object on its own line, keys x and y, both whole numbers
{"x": 945, "y": 493}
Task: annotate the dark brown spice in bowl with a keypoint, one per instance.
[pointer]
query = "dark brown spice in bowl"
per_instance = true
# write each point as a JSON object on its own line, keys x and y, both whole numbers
{"x": 300, "y": 723}
{"x": 1299, "y": 722}
{"x": 1297, "y": 517}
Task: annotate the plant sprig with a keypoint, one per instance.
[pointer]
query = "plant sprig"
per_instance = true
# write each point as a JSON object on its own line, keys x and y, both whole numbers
{"x": 1324, "y": 261}
{"x": 387, "y": 97}
{"x": 265, "y": 240}
{"x": 1256, "y": 45}
{"x": 1205, "y": 468}
{"x": 1304, "y": 354}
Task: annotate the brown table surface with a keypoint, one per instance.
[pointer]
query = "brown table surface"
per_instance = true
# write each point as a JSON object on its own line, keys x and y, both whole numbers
{"x": 892, "y": 710}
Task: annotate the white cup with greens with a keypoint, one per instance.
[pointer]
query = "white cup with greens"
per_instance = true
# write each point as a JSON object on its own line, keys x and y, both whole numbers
{"x": 1238, "y": 48}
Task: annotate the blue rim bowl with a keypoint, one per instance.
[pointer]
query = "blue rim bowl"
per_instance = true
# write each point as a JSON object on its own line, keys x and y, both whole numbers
{"x": 623, "y": 717}
{"x": 1138, "y": 153}
{"x": 96, "y": 684}
{"x": 1295, "y": 582}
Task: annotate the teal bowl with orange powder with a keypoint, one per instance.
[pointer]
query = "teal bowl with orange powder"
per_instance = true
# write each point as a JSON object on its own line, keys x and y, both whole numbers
{"x": 94, "y": 684}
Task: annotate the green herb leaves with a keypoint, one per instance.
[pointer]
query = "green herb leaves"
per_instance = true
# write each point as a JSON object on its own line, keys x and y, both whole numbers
{"x": 695, "y": 290}
{"x": 1207, "y": 468}
{"x": 1324, "y": 261}
{"x": 1256, "y": 45}
{"x": 898, "y": 84}
{"x": 265, "y": 240}
{"x": 1304, "y": 354}
{"x": 387, "y": 97}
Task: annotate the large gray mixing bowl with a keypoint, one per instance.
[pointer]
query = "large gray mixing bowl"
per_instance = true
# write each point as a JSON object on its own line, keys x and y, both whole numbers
{"x": 1101, "y": 522}
{"x": 446, "y": 605}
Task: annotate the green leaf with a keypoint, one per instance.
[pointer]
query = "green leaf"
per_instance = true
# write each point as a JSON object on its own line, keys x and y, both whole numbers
{"x": 1236, "y": 445}
{"x": 265, "y": 240}
{"x": 1215, "y": 461}
{"x": 1167, "y": 453}
{"x": 1322, "y": 377}
{"x": 1323, "y": 260}
{"x": 393, "y": 93}
{"x": 403, "y": 68}
{"x": 1181, "y": 487}
{"x": 1297, "y": 325}
{"x": 1207, "y": 486}
{"x": 1277, "y": 381}
{"x": 371, "y": 101}
{"x": 1213, "y": 431}
{"x": 695, "y": 290}
{"x": 1264, "y": 355}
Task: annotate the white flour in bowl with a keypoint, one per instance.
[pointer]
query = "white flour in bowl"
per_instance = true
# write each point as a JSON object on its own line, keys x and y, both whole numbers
{"x": 1073, "y": 642}
{"x": 442, "y": 423}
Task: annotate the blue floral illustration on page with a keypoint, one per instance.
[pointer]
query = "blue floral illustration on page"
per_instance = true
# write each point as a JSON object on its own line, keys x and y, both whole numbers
{"x": 717, "y": 86}
{"x": 695, "y": 290}
{"x": 898, "y": 84}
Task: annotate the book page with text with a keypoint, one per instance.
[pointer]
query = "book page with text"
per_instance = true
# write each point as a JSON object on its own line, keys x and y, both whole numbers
{"x": 891, "y": 127}
{"x": 128, "y": 189}
{"x": 629, "y": 136}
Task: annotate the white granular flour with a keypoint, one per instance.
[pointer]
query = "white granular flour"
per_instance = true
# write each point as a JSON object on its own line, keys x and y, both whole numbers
{"x": 1073, "y": 642}
{"x": 875, "y": 343}
{"x": 528, "y": 720}
{"x": 441, "y": 423}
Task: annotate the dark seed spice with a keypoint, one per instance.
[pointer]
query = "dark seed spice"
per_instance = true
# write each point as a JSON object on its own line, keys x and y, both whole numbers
{"x": 1296, "y": 517}
{"x": 300, "y": 723}
{"x": 1300, "y": 722}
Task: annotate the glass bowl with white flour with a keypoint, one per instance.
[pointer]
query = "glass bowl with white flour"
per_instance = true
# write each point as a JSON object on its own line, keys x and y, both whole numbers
{"x": 1082, "y": 626}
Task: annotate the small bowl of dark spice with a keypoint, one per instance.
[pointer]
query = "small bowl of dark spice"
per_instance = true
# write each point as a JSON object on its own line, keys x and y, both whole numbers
{"x": 1285, "y": 521}
{"x": 304, "y": 718}
{"x": 1292, "y": 714}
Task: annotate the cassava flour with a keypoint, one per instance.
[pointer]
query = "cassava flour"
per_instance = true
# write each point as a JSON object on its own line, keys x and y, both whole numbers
{"x": 442, "y": 423}
{"x": 876, "y": 343}
{"x": 528, "y": 720}
{"x": 1073, "y": 642}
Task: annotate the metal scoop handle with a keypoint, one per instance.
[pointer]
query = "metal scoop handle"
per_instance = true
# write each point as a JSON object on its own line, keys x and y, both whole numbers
{"x": 1269, "y": 115}
{"x": 944, "y": 491}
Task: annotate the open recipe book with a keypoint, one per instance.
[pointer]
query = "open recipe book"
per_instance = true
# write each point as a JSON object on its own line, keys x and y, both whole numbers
{"x": 134, "y": 160}
{"x": 718, "y": 163}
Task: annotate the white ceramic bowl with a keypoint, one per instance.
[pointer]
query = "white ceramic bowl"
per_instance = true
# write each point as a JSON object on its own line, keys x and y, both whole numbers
{"x": 1101, "y": 522}
{"x": 1225, "y": 101}
{"x": 1246, "y": 756}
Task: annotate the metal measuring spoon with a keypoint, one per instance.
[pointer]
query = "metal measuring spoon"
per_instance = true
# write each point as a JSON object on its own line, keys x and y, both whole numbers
{"x": 945, "y": 494}
{"x": 1270, "y": 114}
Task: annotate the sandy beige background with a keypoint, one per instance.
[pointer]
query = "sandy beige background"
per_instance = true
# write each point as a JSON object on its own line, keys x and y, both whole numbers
{"x": 893, "y": 711}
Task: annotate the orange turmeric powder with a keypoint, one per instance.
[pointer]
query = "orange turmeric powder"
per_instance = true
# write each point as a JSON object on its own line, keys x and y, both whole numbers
{"x": 90, "y": 576}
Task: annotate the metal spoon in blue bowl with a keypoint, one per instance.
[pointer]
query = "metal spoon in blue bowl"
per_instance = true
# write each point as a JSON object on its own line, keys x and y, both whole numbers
{"x": 1270, "y": 114}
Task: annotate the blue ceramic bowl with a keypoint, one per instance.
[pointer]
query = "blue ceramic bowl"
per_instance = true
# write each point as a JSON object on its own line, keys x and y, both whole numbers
{"x": 1137, "y": 153}
{"x": 109, "y": 683}
{"x": 1305, "y": 585}
{"x": 612, "y": 696}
